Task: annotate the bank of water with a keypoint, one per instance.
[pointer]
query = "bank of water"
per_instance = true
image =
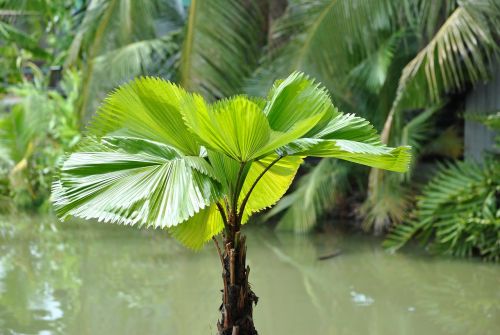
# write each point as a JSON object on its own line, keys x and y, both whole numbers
{"x": 97, "y": 279}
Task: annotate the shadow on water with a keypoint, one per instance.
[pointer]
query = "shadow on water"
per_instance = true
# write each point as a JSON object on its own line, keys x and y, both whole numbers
{"x": 83, "y": 278}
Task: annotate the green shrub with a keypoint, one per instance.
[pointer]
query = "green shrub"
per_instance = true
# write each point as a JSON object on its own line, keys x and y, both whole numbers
{"x": 458, "y": 212}
{"x": 34, "y": 134}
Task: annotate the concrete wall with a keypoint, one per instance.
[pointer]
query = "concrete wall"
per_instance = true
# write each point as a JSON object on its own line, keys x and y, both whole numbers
{"x": 483, "y": 100}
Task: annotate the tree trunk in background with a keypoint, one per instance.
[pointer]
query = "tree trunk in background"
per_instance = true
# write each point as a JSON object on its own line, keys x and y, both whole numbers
{"x": 237, "y": 297}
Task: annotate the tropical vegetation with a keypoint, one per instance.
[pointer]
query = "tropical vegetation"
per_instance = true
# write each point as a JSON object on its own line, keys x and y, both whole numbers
{"x": 459, "y": 209}
{"x": 405, "y": 65}
{"x": 39, "y": 128}
{"x": 156, "y": 155}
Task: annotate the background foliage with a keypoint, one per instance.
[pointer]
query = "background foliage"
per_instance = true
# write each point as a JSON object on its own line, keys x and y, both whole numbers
{"x": 405, "y": 65}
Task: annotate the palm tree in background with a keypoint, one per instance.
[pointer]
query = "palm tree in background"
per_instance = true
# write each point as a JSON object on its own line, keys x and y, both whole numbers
{"x": 394, "y": 62}
{"x": 158, "y": 156}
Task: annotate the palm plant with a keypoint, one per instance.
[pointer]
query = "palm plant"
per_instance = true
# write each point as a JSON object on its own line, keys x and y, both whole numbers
{"x": 312, "y": 197}
{"x": 458, "y": 211}
{"x": 40, "y": 126}
{"x": 156, "y": 155}
{"x": 35, "y": 31}
{"x": 222, "y": 43}
{"x": 122, "y": 39}
{"x": 389, "y": 61}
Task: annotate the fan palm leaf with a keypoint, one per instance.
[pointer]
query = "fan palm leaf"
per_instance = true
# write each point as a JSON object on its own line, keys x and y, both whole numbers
{"x": 315, "y": 194}
{"x": 133, "y": 181}
{"x": 157, "y": 155}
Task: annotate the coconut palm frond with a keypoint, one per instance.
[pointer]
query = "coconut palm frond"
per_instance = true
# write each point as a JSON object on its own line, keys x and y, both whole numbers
{"x": 329, "y": 38}
{"x": 121, "y": 39}
{"x": 372, "y": 72}
{"x": 459, "y": 53}
{"x": 223, "y": 43}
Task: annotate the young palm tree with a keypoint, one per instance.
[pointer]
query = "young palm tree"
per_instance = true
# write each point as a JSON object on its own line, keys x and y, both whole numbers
{"x": 156, "y": 155}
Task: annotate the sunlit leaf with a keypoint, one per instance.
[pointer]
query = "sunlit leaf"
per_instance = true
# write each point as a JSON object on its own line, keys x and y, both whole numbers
{"x": 272, "y": 185}
{"x": 296, "y": 99}
{"x": 235, "y": 126}
{"x": 148, "y": 108}
{"x": 199, "y": 229}
{"x": 314, "y": 195}
{"x": 133, "y": 181}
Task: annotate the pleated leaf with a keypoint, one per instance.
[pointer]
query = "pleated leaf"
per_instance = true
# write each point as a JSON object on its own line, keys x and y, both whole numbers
{"x": 236, "y": 127}
{"x": 146, "y": 108}
{"x": 349, "y": 127}
{"x": 297, "y": 107}
{"x": 159, "y": 156}
{"x": 133, "y": 181}
{"x": 226, "y": 170}
{"x": 199, "y": 229}
{"x": 350, "y": 138}
{"x": 379, "y": 156}
{"x": 312, "y": 197}
{"x": 296, "y": 99}
{"x": 273, "y": 184}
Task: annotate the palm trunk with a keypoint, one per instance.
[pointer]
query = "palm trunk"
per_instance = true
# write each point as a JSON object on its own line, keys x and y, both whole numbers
{"x": 237, "y": 297}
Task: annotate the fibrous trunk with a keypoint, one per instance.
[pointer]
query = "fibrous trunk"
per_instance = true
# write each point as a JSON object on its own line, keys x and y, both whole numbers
{"x": 237, "y": 296}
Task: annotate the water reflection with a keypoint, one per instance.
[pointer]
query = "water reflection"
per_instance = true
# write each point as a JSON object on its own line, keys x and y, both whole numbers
{"x": 99, "y": 279}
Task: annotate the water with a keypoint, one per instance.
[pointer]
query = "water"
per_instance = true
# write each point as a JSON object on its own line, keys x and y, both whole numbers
{"x": 100, "y": 279}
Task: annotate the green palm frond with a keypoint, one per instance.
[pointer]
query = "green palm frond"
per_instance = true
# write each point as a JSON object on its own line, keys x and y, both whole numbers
{"x": 402, "y": 234}
{"x": 296, "y": 100}
{"x": 199, "y": 228}
{"x": 418, "y": 132}
{"x": 119, "y": 39}
{"x": 133, "y": 181}
{"x": 459, "y": 209}
{"x": 379, "y": 156}
{"x": 273, "y": 184}
{"x": 372, "y": 72}
{"x": 327, "y": 39}
{"x": 110, "y": 24}
{"x": 219, "y": 127}
{"x": 460, "y": 52}
{"x": 157, "y": 155}
{"x": 133, "y": 58}
{"x": 387, "y": 205}
{"x": 315, "y": 194}
{"x": 222, "y": 45}
{"x": 147, "y": 108}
